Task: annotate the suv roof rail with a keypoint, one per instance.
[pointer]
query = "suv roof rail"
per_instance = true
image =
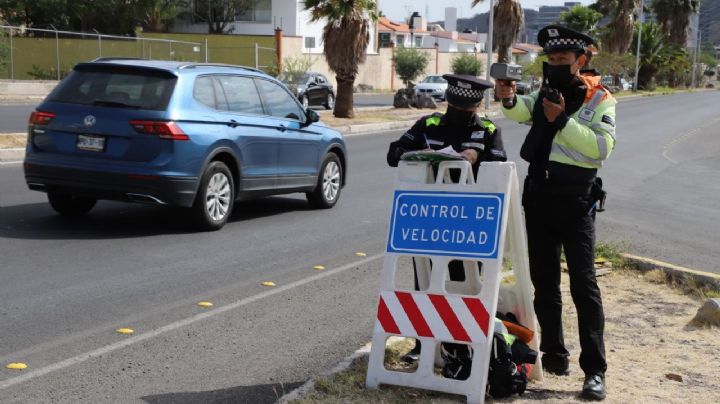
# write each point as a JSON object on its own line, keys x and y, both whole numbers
{"x": 194, "y": 65}
{"x": 107, "y": 59}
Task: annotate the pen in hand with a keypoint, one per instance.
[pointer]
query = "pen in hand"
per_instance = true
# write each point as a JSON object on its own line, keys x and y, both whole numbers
{"x": 427, "y": 143}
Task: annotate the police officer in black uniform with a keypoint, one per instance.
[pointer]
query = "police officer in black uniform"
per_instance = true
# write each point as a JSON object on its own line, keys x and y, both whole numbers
{"x": 477, "y": 139}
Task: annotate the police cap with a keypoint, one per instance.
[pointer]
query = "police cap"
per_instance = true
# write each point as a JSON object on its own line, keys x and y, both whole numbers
{"x": 464, "y": 90}
{"x": 558, "y": 38}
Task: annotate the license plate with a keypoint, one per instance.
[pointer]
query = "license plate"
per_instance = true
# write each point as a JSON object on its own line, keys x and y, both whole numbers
{"x": 91, "y": 143}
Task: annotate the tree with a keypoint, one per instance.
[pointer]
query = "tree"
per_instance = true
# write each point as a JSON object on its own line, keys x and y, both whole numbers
{"x": 507, "y": 18}
{"x": 660, "y": 60}
{"x": 533, "y": 70}
{"x": 674, "y": 18}
{"x": 219, "y": 14}
{"x": 410, "y": 63}
{"x": 345, "y": 41}
{"x": 613, "y": 64}
{"x": 582, "y": 19}
{"x": 617, "y": 35}
{"x": 4, "y": 49}
{"x": 467, "y": 63}
{"x": 158, "y": 14}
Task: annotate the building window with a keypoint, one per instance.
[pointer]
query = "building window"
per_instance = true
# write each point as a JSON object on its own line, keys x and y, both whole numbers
{"x": 385, "y": 39}
{"x": 401, "y": 41}
{"x": 309, "y": 42}
{"x": 260, "y": 11}
{"x": 418, "y": 41}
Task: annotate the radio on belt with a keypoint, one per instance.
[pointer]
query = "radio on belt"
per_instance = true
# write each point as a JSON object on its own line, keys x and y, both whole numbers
{"x": 506, "y": 72}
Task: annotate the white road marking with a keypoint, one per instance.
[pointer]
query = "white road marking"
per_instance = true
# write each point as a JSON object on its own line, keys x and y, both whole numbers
{"x": 684, "y": 137}
{"x": 177, "y": 324}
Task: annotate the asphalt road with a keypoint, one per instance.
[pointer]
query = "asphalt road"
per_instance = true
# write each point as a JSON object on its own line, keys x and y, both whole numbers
{"x": 14, "y": 116}
{"x": 68, "y": 284}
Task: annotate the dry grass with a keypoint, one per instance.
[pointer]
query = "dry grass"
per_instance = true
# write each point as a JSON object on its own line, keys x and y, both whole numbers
{"x": 12, "y": 140}
{"x": 649, "y": 340}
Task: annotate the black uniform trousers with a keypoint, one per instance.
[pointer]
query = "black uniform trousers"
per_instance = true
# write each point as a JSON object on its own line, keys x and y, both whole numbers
{"x": 567, "y": 221}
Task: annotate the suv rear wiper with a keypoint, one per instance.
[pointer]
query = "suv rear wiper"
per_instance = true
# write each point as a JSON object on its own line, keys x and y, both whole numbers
{"x": 107, "y": 103}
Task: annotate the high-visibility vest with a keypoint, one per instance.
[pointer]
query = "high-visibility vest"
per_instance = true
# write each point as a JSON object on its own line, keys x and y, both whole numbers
{"x": 589, "y": 135}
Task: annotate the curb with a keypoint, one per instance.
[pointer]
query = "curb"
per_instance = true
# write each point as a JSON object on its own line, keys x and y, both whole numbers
{"x": 310, "y": 384}
{"x": 676, "y": 272}
{"x": 14, "y": 155}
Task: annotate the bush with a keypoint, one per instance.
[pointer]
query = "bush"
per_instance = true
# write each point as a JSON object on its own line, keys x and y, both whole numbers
{"x": 467, "y": 63}
{"x": 4, "y": 50}
{"x": 410, "y": 63}
{"x": 297, "y": 65}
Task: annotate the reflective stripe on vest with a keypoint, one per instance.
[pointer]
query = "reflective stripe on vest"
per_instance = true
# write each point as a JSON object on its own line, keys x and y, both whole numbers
{"x": 486, "y": 124}
{"x": 474, "y": 145}
{"x": 575, "y": 155}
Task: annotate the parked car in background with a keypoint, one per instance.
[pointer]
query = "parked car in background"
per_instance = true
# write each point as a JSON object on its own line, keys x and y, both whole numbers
{"x": 610, "y": 84}
{"x": 191, "y": 135}
{"x": 311, "y": 89}
{"x": 523, "y": 87}
{"x": 433, "y": 86}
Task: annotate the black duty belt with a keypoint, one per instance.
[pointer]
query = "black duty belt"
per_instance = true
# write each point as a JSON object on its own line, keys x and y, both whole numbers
{"x": 544, "y": 188}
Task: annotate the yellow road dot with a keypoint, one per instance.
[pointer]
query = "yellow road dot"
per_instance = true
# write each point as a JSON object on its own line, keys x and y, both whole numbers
{"x": 318, "y": 267}
{"x": 125, "y": 331}
{"x": 205, "y": 304}
{"x": 16, "y": 366}
{"x": 268, "y": 283}
{"x": 360, "y": 254}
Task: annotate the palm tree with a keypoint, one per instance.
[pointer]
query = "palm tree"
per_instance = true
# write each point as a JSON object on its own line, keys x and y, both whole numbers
{"x": 508, "y": 17}
{"x": 674, "y": 18}
{"x": 345, "y": 37}
{"x": 618, "y": 34}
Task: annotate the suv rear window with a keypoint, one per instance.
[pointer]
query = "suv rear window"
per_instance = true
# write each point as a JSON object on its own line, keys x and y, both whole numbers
{"x": 116, "y": 86}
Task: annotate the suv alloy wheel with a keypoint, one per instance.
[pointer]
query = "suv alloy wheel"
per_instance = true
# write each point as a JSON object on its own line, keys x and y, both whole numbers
{"x": 215, "y": 197}
{"x": 327, "y": 190}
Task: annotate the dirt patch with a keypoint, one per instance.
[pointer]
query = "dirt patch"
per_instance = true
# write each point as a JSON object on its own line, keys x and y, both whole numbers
{"x": 12, "y": 140}
{"x": 654, "y": 354}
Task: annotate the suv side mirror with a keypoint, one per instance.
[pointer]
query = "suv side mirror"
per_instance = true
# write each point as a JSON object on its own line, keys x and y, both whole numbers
{"x": 312, "y": 117}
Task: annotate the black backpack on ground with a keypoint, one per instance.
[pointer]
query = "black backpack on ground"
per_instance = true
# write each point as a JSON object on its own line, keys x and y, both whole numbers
{"x": 505, "y": 378}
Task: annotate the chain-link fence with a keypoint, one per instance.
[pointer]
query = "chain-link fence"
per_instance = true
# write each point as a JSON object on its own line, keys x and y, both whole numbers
{"x": 47, "y": 54}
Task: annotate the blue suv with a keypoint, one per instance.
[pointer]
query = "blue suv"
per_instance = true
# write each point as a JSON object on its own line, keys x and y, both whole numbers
{"x": 191, "y": 135}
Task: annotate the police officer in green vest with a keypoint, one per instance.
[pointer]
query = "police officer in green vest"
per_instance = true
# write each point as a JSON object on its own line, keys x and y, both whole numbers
{"x": 477, "y": 139}
{"x": 572, "y": 132}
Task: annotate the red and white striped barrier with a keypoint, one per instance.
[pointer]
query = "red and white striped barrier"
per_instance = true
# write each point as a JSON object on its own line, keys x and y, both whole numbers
{"x": 459, "y": 319}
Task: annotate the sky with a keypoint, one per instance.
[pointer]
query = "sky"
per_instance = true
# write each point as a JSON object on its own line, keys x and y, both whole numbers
{"x": 398, "y": 10}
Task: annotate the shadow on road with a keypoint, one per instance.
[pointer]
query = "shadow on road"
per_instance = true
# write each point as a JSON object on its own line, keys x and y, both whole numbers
{"x": 260, "y": 394}
{"x": 111, "y": 220}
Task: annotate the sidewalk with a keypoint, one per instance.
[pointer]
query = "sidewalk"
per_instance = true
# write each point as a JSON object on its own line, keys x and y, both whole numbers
{"x": 654, "y": 353}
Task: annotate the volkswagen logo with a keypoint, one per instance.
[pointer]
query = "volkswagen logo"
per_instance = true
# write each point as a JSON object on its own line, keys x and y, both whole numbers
{"x": 89, "y": 121}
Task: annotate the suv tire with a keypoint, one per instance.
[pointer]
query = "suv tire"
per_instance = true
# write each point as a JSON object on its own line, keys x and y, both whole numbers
{"x": 329, "y": 184}
{"x": 215, "y": 197}
{"x": 70, "y": 205}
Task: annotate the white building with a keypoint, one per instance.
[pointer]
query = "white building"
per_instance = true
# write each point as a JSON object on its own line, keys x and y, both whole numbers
{"x": 266, "y": 15}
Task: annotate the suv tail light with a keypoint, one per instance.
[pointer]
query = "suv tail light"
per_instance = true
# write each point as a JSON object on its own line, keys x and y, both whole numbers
{"x": 40, "y": 118}
{"x": 163, "y": 129}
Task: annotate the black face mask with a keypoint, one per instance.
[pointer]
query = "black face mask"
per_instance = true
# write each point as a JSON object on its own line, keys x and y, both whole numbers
{"x": 457, "y": 117}
{"x": 558, "y": 76}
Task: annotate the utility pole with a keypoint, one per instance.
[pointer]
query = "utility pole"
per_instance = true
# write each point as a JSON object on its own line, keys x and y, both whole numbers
{"x": 489, "y": 50}
{"x": 637, "y": 53}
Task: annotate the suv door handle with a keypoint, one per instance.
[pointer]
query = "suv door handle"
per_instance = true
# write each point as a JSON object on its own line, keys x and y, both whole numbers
{"x": 233, "y": 123}
{"x": 282, "y": 128}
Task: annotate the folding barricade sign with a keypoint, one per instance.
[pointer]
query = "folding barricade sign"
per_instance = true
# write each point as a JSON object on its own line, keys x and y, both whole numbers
{"x": 436, "y": 221}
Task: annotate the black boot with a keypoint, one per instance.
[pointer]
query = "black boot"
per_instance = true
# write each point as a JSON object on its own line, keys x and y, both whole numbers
{"x": 594, "y": 387}
{"x": 414, "y": 355}
{"x": 557, "y": 365}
